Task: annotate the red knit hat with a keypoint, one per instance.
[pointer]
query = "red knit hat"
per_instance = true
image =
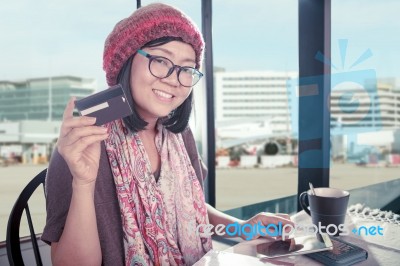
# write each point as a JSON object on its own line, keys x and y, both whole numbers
{"x": 148, "y": 23}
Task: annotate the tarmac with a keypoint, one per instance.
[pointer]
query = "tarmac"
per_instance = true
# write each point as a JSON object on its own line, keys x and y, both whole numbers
{"x": 235, "y": 187}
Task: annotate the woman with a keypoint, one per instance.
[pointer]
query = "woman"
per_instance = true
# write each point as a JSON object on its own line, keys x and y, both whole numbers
{"x": 125, "y": 193}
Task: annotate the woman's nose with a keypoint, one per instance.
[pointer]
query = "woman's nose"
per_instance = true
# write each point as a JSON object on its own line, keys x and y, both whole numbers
{"x": 172, "y": 79}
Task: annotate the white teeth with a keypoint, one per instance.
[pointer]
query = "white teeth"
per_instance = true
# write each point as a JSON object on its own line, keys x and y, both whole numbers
{"x": 162, "y": 94}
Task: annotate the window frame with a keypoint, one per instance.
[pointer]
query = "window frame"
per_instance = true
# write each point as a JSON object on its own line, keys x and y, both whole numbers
{"x": 314, "y": 36}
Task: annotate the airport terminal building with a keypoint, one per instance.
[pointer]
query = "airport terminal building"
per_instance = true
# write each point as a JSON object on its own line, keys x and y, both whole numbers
{"x": 371, "y": 110}
{"x": 31, "y": 112}
{"x": 254, "y": 94}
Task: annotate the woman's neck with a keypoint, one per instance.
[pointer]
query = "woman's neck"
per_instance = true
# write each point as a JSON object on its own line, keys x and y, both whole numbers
{"x": 150, "y": 130}
{"x": 151, "y": 126}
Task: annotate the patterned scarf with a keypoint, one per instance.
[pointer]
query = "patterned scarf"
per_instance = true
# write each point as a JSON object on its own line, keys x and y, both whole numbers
{"x": 156, "y": 216}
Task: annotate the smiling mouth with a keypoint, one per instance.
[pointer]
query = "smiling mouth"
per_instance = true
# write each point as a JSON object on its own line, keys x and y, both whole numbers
{"x": 163, "y": 94}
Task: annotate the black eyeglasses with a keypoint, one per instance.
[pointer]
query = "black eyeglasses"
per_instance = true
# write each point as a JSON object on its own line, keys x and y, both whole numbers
{"x": 161, "y": 67}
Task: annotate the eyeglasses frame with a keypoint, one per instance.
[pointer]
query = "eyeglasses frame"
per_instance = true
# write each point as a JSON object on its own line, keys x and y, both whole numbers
{"x": 171, "y": 70}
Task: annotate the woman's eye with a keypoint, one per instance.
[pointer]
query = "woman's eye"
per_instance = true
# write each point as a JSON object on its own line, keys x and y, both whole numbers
{"x": 161, "y": 61}
{"x": 188, "y": 70}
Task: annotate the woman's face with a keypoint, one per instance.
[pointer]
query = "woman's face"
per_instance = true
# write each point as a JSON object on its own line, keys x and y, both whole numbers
{"x": 157, "y": 97}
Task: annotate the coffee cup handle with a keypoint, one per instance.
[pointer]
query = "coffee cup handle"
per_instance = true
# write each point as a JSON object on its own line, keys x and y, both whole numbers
{"x": 302, "y": 200}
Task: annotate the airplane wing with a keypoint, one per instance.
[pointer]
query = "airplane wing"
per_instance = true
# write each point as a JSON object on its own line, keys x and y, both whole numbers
{"x": 229, "y": 143}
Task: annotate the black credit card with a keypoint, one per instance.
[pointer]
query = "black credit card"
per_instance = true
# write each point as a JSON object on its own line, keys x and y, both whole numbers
{"x": 107, "y": 105}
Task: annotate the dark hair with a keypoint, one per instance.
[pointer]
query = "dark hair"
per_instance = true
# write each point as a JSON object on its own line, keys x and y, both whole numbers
{"x": 178, "y": 119}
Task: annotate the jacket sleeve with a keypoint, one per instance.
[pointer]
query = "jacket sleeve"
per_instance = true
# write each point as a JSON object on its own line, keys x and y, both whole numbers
{"x": 58, "y": 191}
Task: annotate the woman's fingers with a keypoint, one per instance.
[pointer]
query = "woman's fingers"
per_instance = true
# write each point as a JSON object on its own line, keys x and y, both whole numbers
{"x": 69, "y": 109}
{"x": 272, "y": 223}
{"x": 79, "y": 143}
{"x": 83, "y": 143}
{"x": 67, "y": 115}
{"x": 80, "y": 139}
{"x": 276, "y": 218}
{"x": 75, "y": 122}
{"x": 70, "y": 122}
{"x": 78, "y": 131}
{"x": 76, "y": 134}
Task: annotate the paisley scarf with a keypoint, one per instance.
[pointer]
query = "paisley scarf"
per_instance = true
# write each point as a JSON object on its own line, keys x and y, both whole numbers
{"x": 156, "y": 216}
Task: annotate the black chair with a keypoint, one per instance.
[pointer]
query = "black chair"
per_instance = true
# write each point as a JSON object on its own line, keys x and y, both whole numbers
{"x": 13, "y": 239}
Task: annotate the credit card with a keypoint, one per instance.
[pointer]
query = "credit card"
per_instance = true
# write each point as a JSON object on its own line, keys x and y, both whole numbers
{"x": 107, "y": 105}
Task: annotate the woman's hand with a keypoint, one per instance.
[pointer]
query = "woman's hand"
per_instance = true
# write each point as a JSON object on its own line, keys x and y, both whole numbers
{"x": 79, "y": 145}
{"x": 265, "y": 223}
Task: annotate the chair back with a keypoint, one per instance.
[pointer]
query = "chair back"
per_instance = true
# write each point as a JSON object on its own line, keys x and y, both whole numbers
{"x": 13, "y": 239}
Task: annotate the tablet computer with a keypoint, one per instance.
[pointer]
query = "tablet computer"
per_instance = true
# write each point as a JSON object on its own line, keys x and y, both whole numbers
{"x": 294, "y": 246}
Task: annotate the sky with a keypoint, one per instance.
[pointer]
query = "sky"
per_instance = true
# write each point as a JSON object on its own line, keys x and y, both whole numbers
{"x": 49, "y": 38}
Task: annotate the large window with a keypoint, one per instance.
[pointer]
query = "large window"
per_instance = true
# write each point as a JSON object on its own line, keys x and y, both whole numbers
{"x": 365, "y": 94}
{"x": 255, "y": 55}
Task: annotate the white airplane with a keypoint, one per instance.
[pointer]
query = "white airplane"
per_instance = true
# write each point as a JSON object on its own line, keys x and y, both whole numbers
{"x": 253, "y": 136}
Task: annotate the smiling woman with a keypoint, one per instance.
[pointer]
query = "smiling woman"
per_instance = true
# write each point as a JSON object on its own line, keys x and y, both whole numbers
{"x": 145, "y": 162}
{"x": 130, "y": 188}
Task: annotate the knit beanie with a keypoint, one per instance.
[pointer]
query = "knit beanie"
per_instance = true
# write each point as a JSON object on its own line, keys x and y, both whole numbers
{"x": 146, "y": 24}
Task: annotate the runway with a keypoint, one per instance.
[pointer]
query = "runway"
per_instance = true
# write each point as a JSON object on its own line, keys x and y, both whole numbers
{"x": 235, "y": 187}
{"x": 239, "y": 187}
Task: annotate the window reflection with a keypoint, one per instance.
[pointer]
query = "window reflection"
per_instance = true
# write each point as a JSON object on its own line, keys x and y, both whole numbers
{"x": 365, "y": 119}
